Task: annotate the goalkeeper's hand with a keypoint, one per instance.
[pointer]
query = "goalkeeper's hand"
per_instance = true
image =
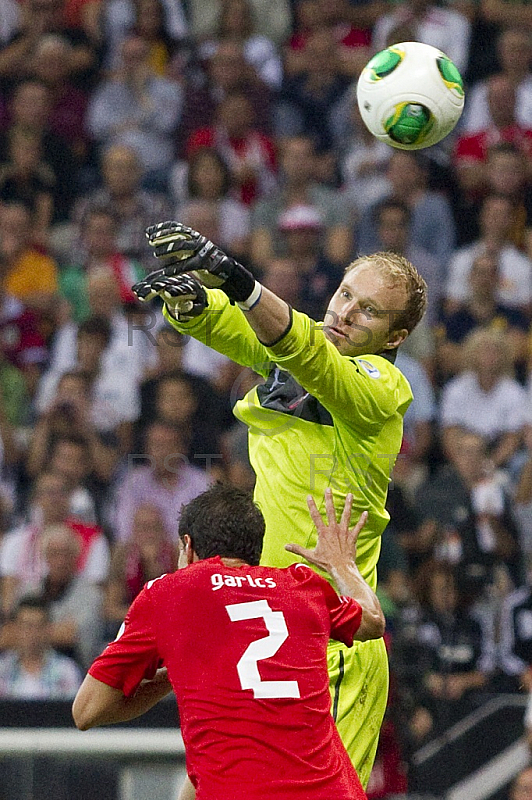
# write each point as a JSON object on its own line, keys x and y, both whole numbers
{"x": 183, "y": 294}
{"x": 181, "y": 249}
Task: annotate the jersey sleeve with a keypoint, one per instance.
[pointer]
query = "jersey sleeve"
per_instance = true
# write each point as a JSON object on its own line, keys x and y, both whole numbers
{"x": 365, "y": 390}
{"x": 345, "y": 614}
{"x": 224, "y": 328}
{"x": 133, "y": 655}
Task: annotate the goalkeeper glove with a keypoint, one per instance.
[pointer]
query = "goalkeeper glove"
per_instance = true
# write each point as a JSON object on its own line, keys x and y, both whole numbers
{"x": 184, "y": 249}
{"x": 183, "y": 295}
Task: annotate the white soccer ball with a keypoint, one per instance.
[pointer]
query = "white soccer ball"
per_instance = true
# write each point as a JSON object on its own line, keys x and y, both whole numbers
{"x": 410, "y": 95}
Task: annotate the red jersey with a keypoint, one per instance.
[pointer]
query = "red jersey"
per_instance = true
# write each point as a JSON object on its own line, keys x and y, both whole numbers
{"x": 245, "y": 650}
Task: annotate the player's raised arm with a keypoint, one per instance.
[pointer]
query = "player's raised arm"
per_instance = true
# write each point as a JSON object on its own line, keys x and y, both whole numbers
{"x": 193, "y": 305}
{"x": 380, "y": 300}
{"x": 335, "y": 552}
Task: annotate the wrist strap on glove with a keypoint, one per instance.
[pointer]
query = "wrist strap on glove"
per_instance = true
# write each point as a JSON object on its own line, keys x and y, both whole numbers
{"x": 253, "y": 299}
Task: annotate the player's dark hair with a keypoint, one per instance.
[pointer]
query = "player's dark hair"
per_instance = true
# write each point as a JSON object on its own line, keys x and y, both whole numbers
{"x": 32, "y": 601}
{"x": 224, "y": 521}
{"x": 391, "y": 204}
{"x": 195, "y": 159}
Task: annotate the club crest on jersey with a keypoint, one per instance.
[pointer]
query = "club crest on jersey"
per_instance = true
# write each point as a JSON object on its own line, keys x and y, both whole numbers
{"x": 238, "y": 581}
{"x": 372, "y": 371}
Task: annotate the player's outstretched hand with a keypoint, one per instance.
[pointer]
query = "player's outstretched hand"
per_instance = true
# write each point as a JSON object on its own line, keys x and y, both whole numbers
{"x": 182, "y": 249}
{"x": 183, "y": 294}
{"x": 336, "y": 545}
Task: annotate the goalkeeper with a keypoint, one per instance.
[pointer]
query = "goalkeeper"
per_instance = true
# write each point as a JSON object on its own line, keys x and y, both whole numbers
{"x": 329, "y": 414}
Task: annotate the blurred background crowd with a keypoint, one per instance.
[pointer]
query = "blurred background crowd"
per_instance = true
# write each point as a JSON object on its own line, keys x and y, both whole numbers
{"x": 238, "y": 117}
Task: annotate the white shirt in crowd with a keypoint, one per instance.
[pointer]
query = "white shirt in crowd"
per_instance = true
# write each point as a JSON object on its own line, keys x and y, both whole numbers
{"x": 491, "y": 414}
{"x": 443, "y": 28}
{"x": 515, "y": 275}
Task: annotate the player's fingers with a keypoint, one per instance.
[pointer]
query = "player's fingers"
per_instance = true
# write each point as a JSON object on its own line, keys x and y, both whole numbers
{"x": 346, "y": 513}
{"x": 329, "y": 506}
{"x": 297, "y": 550}
{"x": 360, "y": 524}
{"x": 162, "y": 227}
{"x": 314, "y": 513}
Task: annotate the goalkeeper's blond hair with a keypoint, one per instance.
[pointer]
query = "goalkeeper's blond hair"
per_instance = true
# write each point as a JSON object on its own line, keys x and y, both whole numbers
{"x": 399, "y": 269}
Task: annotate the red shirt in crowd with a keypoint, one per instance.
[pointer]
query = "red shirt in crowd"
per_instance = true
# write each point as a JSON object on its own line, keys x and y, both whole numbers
{"x": 245, "y": 650}
{"x": 475, "y": 146}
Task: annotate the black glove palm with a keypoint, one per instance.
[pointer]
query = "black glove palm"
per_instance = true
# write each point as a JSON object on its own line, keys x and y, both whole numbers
{"x": 183, "y": 294}
{"x": 184, "y": 249}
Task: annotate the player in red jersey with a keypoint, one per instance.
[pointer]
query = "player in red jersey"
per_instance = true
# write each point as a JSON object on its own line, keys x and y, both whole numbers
{"x": 244, "y": 649}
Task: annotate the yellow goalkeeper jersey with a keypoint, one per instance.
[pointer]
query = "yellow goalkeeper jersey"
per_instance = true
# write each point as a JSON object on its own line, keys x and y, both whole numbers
{"x": 320, "y": 419}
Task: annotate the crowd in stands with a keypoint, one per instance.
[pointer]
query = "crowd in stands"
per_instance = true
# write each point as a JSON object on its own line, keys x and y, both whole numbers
{"x": 239, "y": 118}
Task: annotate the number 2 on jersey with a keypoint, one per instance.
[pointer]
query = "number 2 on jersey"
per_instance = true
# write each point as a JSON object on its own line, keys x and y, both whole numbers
{"x": 247, "y": 668}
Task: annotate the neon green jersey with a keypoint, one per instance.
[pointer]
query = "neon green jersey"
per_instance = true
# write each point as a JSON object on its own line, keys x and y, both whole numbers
{"x": 320, "y": 419}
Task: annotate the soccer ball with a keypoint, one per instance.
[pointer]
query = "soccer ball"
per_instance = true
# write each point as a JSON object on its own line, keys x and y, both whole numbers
{"x": 410, "y": 95}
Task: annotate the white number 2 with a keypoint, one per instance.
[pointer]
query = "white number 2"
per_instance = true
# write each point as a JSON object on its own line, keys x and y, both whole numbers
{"x": 247, "y": 668}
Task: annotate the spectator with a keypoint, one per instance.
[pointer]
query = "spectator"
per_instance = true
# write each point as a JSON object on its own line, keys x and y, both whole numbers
{"x": 120, "y": 17}
{"x": 208, "y": 180}
{"x": 150, "y": 553}
{"x": 515, "y": 54}
{"x": 191, "y": 404}
{"x": 51, "y": 66}
{"x": 113, "y": 399}
{"x": 481, "y": 309}
{"x": 22, "y": 564}
{"x": 464, "y": 517}
{"x": 100, "y": 253}
{"x": 237, "y": 24}
{"x": 182, "y": 353}
{"x": 449, "y": 648}
{"x": 308, "y": 99}
{"x": 32, "y": 670}
{"x": 31, "y": 112}
{"x": 472, "y": 149}
{"x": 27, "y": 274}
{"x": 312, "y": 16}
{"x": 74, "y": 605}
{"x": 249, "y": 154}
{"x": 444, "y": 28}
{"x": 70, "y": 457}
{"x": 432, "y": 227}
{"x": 301, "y": 227}
{"x": 485, "y": 398}
{"x": 138, "y": 109}
{"x": 299, "y": 187}
{"x": 514, "y": 287}
{"x": 167, "y": 481}
{"x": 507, "y": 174}
{"x": 69, "y": 415}
{"x": 22, "y": 344}
{"x": 272, "y": 18}
{"x": 227, "y": 72}
{"x": 27, "y": 180}
{"x": 133, "y": 208}
{"x": 42, "y": 17}
{"x": 129, "y": 352}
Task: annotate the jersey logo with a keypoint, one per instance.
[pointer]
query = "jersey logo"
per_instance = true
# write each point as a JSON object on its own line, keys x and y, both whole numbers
{"x": 372, "y": 371}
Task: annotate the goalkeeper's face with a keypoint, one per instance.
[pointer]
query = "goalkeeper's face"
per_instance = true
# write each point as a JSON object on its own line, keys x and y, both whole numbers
{"x": 361, "y": 313}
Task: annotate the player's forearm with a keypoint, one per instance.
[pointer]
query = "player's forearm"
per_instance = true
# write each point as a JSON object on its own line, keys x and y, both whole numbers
{"x": 269, "y": 318}
{"x": 350, "y": 583}
{"x": 98, "y": 704}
